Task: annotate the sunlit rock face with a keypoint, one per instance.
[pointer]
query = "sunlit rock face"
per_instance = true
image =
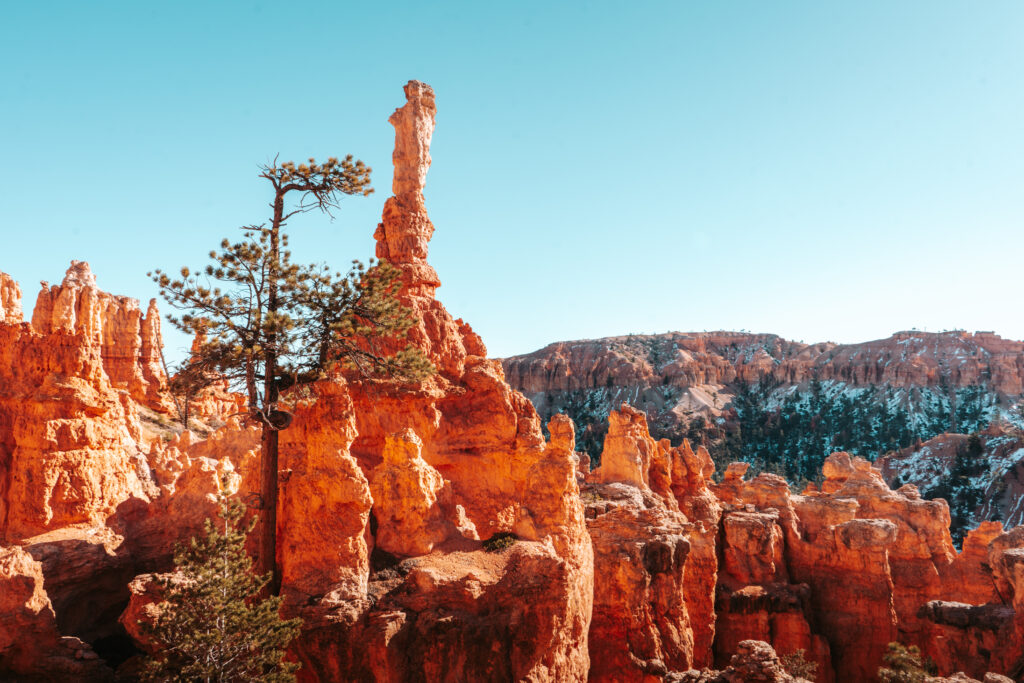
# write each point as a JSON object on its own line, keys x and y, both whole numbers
{"x": 88, "y": 496}
{"x": 405, "y": 230}
{"x": 129, "y": 341}
{"x": 863, "y": 565}
{"x": 10, "y": 300}
{"x": 69, "y": 432}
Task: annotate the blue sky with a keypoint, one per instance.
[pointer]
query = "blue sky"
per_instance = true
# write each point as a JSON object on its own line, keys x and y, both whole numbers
{"x": 823, "y": 171}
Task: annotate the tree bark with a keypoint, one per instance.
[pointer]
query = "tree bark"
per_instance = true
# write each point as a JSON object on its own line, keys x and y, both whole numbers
{"x": 269, "y": 442}
{"x": 268, "y": 494}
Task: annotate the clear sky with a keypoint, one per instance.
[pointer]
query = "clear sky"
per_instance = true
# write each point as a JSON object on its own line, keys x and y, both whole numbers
{"x": 820, "y": 170}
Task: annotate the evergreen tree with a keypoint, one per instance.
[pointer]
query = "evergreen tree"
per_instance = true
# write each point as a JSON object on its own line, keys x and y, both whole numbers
{"x": 187, "y": 382}
{"x": 269, "y": 323}
{"x": 796, "y": 665}
{"x": 211, "y": 625}
{"x": 904, "y": 665}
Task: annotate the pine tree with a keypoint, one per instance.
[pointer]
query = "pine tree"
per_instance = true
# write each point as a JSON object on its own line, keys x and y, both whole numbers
{"x": 211, "y": 624}
{"x": 185, "y": 384}
{"x": 269, "y": 323}
{"x": 904, "y": 665}
{"x": 796, "y": 665}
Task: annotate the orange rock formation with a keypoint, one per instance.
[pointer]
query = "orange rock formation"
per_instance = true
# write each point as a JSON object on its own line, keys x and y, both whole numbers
{"x": 431, "y": 532}
{"x": 68, "y": 434}
{"x": 128, "y": 341}
{"x": 10, "y": 300}
{"x": 445, "y": 464}
{"x": 29, "y": 638}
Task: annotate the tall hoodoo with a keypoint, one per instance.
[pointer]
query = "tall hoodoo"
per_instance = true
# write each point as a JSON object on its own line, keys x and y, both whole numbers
{"x": 403, "y": 236}
{"x": 405, "y": 231}
{"x": 414, "y": 127}
{"x": 452, "y": 462}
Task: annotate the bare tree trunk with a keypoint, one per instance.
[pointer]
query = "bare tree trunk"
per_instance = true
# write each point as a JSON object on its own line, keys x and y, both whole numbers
{"x": 182, "y": 413}
{"x": 268, "y": 493}
{"x": 269, "y": 443}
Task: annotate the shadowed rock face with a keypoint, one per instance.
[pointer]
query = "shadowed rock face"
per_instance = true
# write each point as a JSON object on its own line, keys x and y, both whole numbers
{"x": 30, "y": 642}
{"x": 432, "y": 532}
{"x": 672, "y": 485}
{"x": 640, "y": 614}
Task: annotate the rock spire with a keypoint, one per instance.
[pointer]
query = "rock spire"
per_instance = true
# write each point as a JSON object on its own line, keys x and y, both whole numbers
{"x": 405, "y": 230}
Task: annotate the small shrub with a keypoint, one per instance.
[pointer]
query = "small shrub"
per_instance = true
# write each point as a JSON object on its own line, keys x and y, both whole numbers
{"x": 795, "y": 665}
{"x": 212, "y": 623}
{"x": 499, "y": 542}
{"x": 905, "y": 665}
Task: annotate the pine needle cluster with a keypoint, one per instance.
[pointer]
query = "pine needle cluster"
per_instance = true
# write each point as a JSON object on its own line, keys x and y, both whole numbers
{"x": 212, "y": 625}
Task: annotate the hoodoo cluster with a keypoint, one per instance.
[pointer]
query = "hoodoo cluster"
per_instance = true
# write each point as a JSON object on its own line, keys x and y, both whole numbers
{"x": 644, "y": 569}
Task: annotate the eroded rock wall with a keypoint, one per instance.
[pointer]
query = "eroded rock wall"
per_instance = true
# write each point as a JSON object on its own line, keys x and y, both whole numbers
{"x": 130, "y": 358}
{"x": 69, "y": 439}
{"x": 878, "y": 563}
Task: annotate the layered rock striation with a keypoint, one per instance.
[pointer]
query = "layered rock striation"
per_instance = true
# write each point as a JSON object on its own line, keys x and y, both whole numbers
{"x": 693, "y": 359}
{"x": 866, "y": 398}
